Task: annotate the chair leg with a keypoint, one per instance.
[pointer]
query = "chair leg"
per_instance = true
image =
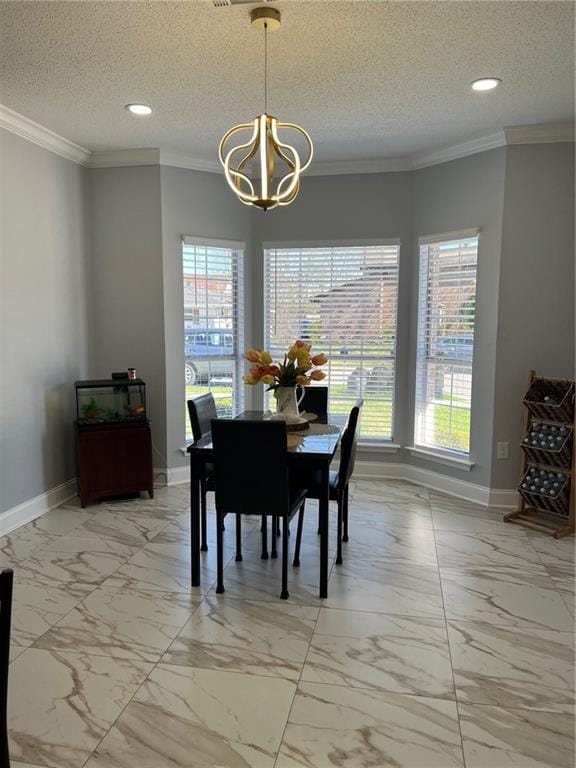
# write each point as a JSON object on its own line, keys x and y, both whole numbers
{"x": 284, "y": 594}
{"x": 203, "y": 518}
{"x": 238, "y": 538}
{"x": 345, "y": 514}
{"x": 219, "y": 553}
{"x": 277, "y": 526}
{"x": 264, "y": 530}
{"x": 296, "y": 562}
{"x": 339, "y": 538}
{"x": 274, "y": 550}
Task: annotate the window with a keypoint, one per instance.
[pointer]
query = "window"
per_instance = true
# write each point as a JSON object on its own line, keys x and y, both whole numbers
{"x": 446, "y": 313}
{"x": 343, "y": 300}
{"x": 213, "y": 323}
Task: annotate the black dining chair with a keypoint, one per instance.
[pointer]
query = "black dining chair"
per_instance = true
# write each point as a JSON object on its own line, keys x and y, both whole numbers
{"x": 6, "y": 586}
{"x": 315, "y": 400}
{"x": 251, "y": 471}
{"x": 201, "y": 411}
{"x": 338, "y": 484}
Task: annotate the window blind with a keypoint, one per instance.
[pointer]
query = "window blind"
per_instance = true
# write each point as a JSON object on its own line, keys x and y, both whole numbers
{"x": 446, "y": 315}
{"x": 343, "y": 300}
{"x": 213, "y": 323}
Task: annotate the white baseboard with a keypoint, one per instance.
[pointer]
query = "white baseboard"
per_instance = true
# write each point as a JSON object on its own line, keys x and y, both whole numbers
{"x": 172, "y": 476}
{"x": 379, "y": 470}
{"x": 36, "y": 507}
{"x": 493, "y": 497}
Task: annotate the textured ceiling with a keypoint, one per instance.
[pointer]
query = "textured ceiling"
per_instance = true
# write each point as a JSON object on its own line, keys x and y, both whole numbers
{"x": 368, "y": 79}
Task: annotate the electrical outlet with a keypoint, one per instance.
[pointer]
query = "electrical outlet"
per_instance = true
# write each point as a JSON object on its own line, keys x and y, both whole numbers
{"x": 502, "y": 450}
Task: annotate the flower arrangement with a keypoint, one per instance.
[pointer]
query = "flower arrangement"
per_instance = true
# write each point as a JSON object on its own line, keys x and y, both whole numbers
{"x": 299, "y": 367}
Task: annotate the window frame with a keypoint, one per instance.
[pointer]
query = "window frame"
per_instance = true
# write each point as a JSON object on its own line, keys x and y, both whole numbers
{"x": 238, "y": 313}
{"x": 444, "y": 455}
{"x": 388, "y": 445}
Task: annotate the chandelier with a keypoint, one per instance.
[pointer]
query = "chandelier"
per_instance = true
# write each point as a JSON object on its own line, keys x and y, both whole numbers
{"x": 261, "y": 146}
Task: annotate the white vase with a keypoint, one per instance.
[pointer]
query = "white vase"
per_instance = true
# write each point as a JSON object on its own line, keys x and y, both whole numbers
{"x": 288, "y": 400}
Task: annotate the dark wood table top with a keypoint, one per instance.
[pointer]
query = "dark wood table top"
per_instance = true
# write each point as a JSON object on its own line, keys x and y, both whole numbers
{"x": 318, "y": 442}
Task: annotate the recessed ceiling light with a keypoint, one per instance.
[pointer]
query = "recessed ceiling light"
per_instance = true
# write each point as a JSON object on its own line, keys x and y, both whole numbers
{"x": 486, "y": 83}
{"x": 139, "y": 109}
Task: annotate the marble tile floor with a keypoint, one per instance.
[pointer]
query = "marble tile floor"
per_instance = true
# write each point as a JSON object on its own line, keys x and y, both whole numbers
{"x": 447, "y": 640}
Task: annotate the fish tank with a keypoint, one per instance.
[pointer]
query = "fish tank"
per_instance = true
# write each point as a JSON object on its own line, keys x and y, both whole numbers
{"x": 110, "y": 401}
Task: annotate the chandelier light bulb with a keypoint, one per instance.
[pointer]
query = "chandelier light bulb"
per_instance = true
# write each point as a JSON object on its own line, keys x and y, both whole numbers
{"x": 261, "y": 168}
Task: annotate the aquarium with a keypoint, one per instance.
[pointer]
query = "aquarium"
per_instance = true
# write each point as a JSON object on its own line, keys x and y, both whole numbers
{"x": 110, "y": 401}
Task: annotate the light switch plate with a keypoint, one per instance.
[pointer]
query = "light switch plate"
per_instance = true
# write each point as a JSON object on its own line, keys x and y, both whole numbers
{"x": 502, "y": 450}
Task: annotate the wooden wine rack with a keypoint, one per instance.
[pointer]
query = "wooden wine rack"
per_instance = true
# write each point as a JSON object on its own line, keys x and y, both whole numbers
{"x": 555, "y": 516}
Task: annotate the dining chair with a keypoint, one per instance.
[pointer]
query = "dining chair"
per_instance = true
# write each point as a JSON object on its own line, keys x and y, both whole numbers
{"x": 315, "y": 400}
{"x": 6, "y": 586}
{"x": 201, "y": 411}
{"x": 338, "y": 484}
{"x": 251, "y": 471}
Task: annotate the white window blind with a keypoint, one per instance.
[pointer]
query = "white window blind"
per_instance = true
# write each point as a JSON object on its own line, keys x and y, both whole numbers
{"x": 343, "y": 300}
{"x": 213, "y": 323}
{"x": 446, "y": 314}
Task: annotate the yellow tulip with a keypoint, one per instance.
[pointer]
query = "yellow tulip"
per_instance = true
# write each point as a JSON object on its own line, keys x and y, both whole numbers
{"x": 302, "y": 353}
{"x": 249, "y": 379}
{"x": 265, "y": 358}
{"x": 269, "y": 380}
{"x": 292, "y": 352}
{"x": 252, "y": 355}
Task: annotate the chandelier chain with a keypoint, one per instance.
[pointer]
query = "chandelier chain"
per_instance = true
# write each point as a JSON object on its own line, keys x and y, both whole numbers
{"x": 266, "y": 68}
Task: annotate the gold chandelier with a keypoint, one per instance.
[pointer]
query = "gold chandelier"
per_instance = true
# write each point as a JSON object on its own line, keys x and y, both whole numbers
{"x": 264, "y": 146}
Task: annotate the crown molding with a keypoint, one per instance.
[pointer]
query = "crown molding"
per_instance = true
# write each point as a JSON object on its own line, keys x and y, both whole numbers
{"x": 344, "y": 167}
{"x": 119, "y": 158}
{"x": 546, "y": 133}
{"x": 27, "y": 129}
{"x": 176, "y": 160}
{"x": 456, "y": 151}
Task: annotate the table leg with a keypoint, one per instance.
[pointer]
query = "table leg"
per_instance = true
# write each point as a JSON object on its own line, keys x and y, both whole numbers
{"x": 195, "y": 469}
{"x": 323, "y": 517}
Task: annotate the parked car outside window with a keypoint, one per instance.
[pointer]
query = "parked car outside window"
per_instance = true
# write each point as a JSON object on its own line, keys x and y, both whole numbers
{"x": 202, "y": 349}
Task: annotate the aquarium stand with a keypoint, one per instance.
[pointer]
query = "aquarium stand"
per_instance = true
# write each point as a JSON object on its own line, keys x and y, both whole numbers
{"x": 113, "y": 440}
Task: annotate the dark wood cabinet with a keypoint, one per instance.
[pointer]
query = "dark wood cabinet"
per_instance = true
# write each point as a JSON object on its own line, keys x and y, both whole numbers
{"x": 113, "y": 459}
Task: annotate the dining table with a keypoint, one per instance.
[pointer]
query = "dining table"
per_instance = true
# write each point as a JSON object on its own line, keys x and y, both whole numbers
{"x": 312, "y": 449}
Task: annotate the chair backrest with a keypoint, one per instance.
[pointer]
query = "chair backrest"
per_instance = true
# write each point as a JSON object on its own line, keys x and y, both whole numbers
{"x": 315, "y": 400}
{"x": 6, "y": 584}
{"x": 348, "y": 446}
{"x": 251, "y": 466}
{"x": 201, "y": 411}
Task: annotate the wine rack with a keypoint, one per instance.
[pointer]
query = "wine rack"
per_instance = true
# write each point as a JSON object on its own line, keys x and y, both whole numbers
{"x": 546, "y": 489}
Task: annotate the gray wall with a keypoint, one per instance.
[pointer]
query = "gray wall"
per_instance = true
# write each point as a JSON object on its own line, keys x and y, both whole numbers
{"x": 44, "y": 315}
{"x": 536, "y": 304}
{"x": 465, "y": 194}
{"x": 127, "y": 285}
{"x": 201, "y": 205}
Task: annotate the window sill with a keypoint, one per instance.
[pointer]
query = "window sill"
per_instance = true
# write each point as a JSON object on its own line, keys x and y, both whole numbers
{"x": 368, "y": 445}
{"x": 441, "y": 458}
